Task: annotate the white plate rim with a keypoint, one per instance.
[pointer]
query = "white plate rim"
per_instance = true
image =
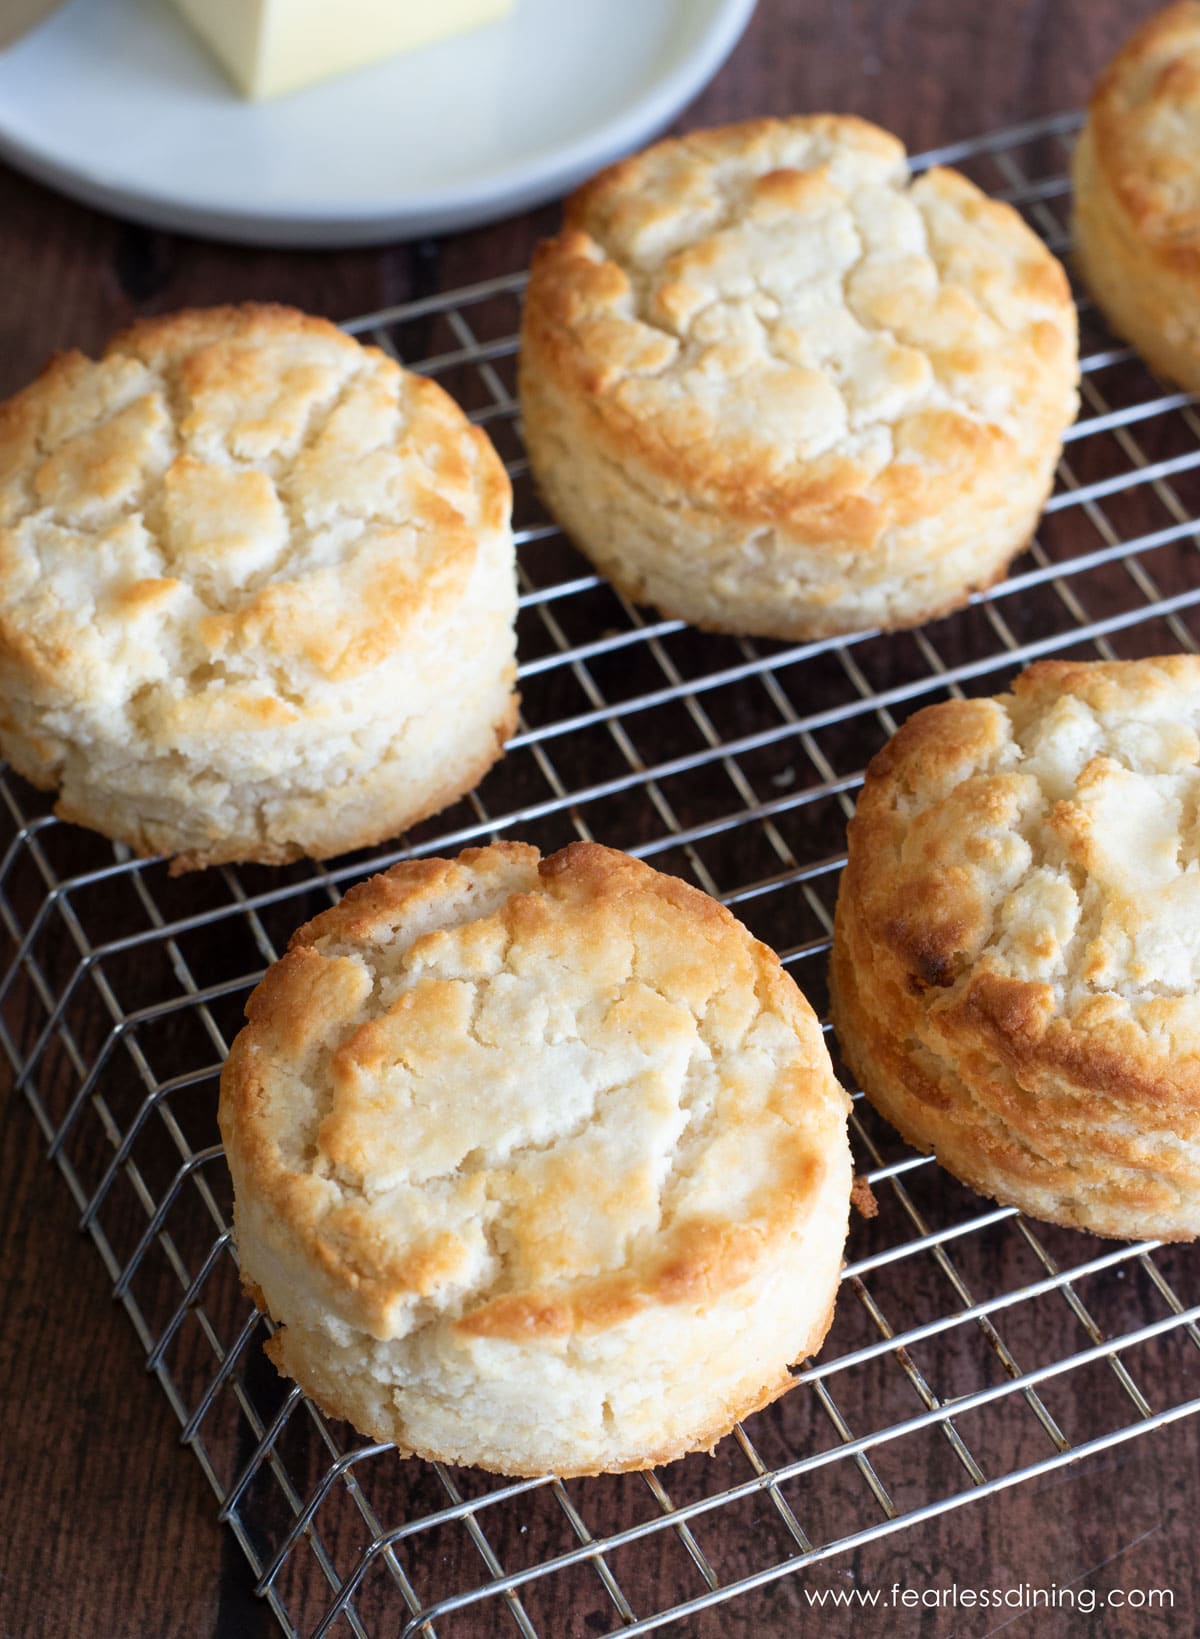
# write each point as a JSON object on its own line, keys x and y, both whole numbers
{"x": 523, "y": 184}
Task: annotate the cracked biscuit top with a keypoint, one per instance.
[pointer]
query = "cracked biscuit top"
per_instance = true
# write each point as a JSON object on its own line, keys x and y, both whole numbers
{"x": 777, "y": 318}
{"x": 1144, "y": 127}
{"x": 230, "y": 508}
{"x": 530, "y": 1097}
{"x": 1031, "y": 865}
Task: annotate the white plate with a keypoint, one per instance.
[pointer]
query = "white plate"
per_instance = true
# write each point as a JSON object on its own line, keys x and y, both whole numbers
{"x": 113, "y": 102}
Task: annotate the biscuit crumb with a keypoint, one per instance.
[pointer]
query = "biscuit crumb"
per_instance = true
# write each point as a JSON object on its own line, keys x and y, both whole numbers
{"x": 862, "y": 1197}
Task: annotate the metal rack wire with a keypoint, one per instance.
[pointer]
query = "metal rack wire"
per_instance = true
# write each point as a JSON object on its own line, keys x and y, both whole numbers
{"x": 733, "y": 764}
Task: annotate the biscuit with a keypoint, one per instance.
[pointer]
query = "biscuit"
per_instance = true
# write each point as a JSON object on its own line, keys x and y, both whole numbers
{"x": 1136, "y": 175}
{"x": 1016, "y": 954}
{"x": 539, "y": 1165}
{"x": 772, "y": 385}
{"x": 256, "y": 589}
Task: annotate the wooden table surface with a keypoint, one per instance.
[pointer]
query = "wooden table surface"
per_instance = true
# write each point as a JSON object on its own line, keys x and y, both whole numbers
{"x": 109, "y": 1528}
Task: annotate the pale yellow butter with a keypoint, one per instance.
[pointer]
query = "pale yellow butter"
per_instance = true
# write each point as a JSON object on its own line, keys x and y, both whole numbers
{"x": 270, "y": 46}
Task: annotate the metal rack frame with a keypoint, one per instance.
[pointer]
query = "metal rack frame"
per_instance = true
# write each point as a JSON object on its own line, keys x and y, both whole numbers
{"x": 732, "y": 763}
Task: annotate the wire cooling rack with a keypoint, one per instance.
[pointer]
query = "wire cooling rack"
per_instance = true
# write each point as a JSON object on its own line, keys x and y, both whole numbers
{"x": 972, "y": 1350}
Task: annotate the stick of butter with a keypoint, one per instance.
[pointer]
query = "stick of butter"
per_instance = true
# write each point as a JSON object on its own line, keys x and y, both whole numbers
{"x": 271, "y": 46}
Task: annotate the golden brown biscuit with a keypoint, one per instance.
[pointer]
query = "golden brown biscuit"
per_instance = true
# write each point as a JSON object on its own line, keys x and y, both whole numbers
{"x": 256, "y": 589}
{"x": 540, "y": 1164}
{"x": 1016, "y": 956}
{"x": 772, "y": 384}
{"x": 1136, "y": 175}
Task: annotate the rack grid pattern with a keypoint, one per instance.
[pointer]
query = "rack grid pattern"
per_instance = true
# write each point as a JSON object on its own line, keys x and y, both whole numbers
{"x": 733, "y": 764}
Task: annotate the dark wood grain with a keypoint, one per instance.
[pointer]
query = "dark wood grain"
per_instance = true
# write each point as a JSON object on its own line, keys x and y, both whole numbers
{"x": 109, "y": 1528}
